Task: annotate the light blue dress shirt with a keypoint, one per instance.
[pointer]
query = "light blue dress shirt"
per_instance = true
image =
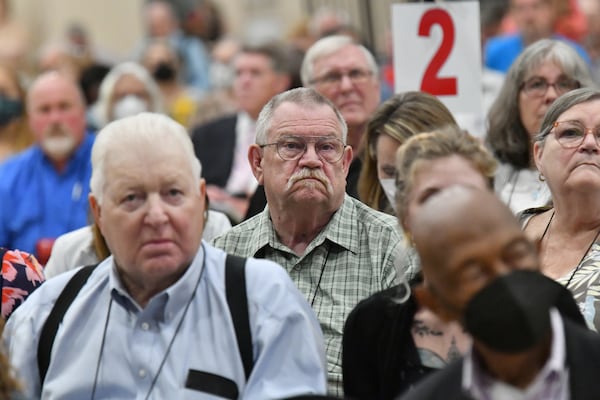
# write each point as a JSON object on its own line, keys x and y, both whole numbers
{"x": 287, "y": 342}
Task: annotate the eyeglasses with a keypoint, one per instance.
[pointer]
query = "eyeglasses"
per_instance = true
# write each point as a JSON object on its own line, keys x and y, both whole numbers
{"x": 357, "y": 76}
{"x": 291, "y": 148}
{"x": 570, "y": 134}
{"x": 537, "y": 86}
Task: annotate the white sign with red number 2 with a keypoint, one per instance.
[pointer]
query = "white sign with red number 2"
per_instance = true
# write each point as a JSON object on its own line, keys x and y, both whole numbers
{"x": 437, "y": 50}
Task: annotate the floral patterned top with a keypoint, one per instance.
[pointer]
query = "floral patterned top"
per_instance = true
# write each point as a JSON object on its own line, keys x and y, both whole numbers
{"x": 21, "y": 275}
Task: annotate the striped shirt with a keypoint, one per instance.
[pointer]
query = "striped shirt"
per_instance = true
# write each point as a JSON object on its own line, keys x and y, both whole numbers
{"x": 354, "y": 256}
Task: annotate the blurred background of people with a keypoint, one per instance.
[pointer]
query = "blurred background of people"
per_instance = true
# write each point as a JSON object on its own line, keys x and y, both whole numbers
{"x": 261, "y": 71}
{"x": 14, "y": 38}
{"x": 44, "y": 189}
{"x": 161, "y": 22}
{"x": 165, "y": 65}
{"x": 220, "y": 101}
{"x": 534, "y": 20}
{"x": 15, "y": 134}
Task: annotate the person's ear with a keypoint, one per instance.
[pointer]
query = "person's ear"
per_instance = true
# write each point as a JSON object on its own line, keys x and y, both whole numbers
{"x": 538, "y": 151}
{"x": 96, "y": 210}
{"x": 429, "y": 300}
{"x": 347, "y": 159}
{"x": 255, "y": 156}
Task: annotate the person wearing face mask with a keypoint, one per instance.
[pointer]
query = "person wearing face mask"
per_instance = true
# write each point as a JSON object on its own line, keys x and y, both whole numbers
{"x": 529, "y": 338}
{"x": 128, "y": 89}
{"x": 396, "y": 120}
{"x": 390, "y": 342}
{"x": 163, "y": 62}
{"x": 15, "y": 135}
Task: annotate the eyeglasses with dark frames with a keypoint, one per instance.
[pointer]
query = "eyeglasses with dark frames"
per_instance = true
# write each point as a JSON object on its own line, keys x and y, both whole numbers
{"x": 291, "y": 148}
{"x": 538, "y": 86}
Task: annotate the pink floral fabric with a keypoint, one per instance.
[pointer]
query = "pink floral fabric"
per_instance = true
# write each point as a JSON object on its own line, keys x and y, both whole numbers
{"x": 21, "y": 275}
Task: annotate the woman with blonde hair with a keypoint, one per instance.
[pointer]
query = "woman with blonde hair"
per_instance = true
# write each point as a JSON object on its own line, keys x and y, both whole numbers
{"x": 395, "y": 121}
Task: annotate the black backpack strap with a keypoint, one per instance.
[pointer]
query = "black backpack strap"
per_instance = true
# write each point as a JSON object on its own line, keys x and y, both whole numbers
{"x": 57, "y": 313}
{"x": 235, "y": 290}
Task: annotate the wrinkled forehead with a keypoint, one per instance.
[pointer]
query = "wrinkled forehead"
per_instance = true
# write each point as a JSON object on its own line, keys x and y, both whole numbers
{"x": 307, "y": 119}
{"x": 348, "y": 57}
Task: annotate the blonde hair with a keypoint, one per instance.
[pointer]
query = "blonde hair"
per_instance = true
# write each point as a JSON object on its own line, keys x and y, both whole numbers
{"x": 431, "y": 146}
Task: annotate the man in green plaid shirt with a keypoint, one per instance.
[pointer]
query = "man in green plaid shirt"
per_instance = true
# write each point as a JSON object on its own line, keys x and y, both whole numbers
{"x": 336, "y": 249}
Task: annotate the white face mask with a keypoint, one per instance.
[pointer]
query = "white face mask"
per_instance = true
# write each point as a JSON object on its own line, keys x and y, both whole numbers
{"x": 221, "y": 75}
{"x": 128, "y": 106}
{"x": 389, "y": 188}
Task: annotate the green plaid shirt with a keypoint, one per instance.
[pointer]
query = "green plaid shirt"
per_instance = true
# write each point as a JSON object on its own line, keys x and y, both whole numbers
{"x": 352, "y": 258}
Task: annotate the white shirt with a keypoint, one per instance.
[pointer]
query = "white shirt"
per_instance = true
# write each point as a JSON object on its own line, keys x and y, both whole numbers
{"x": 76, "y": 248}
{"x": 551, "y": 382}
{"x": 241, "y": 179}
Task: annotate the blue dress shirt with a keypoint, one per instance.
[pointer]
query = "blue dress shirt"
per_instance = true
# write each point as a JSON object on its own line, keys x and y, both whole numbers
{"x": 39, "y": 202}
{"x": 501, "y": 51}
{"x": 288, "y": 345}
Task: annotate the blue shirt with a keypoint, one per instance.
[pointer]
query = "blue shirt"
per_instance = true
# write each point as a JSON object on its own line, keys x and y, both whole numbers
{"x": 39, "y": 202}
{"x": 289, "y": 356}
{"x": 502, "y": 51}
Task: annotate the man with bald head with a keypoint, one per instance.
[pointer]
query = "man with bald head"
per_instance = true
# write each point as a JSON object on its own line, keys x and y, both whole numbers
{"x": 44, "y": 189}
{"x": 479, "y": 268}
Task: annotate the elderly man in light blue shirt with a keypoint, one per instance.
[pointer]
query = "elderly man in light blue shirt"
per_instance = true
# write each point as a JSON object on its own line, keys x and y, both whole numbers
{"x": 153, "y": 321}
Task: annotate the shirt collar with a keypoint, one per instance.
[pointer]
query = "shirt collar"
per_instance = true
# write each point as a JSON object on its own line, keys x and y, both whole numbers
{"x": 166, "y": 304}
{"x": 341, "y": 221}
{"x": 475, "y": 380}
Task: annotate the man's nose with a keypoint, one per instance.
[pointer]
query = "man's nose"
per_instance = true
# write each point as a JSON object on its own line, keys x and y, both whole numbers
{"x": 156, "y": 212}
{"x": 310, "y": 156}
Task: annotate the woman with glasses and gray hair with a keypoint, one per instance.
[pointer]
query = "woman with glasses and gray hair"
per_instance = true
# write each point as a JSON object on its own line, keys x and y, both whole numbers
{"x": 567, "y": 154}
{"x": 544, "y": 71}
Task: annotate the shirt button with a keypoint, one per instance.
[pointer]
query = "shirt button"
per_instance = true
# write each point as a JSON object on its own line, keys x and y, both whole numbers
{"x": 142, "y": 373}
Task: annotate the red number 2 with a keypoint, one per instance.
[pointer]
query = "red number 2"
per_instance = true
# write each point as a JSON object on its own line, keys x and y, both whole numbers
{"x": 431, "y": 82}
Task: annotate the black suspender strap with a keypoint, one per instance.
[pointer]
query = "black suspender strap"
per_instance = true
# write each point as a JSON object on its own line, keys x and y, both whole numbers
{"x": 53, "y": 321}
{"x": 235, "y": 290}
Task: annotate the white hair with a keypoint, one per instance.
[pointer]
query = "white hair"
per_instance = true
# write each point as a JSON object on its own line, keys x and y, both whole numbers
{"x": 306, "y": 97}
{"x": 107, "y": 88}
{"x": 327, "y": 46}
{"x": 145, "y": 130}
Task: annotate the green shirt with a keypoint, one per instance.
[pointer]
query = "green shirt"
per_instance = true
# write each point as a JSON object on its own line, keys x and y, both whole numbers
{"x": 350, "y": 259}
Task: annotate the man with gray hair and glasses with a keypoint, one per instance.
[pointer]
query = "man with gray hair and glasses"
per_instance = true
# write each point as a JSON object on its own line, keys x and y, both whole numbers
{"x": 336, "y": 249}
{"x": 346, "y": 73}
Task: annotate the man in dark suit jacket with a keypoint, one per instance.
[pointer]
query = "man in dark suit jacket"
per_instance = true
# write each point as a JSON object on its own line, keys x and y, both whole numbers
{"x": 475, "y": 259}
{"x": 222, "y": 145}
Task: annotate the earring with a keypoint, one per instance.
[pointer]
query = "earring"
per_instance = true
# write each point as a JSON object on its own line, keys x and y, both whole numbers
{"x": 541, "y": 177}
